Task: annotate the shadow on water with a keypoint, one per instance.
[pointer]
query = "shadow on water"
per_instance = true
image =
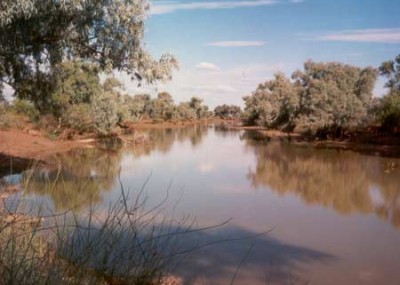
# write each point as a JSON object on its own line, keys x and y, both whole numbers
{"x": 268, "y": 258}
{"x": 209, "y": 255}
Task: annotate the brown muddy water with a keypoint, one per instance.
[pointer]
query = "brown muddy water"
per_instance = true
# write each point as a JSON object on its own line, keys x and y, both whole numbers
{"x": 334, "y": 215}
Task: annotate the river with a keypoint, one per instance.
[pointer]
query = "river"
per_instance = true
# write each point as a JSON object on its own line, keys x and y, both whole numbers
{"x": 329, "y": 216}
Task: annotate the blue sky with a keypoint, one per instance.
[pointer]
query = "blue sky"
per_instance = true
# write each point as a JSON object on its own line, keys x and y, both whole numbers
{"x": 225, "y": 48}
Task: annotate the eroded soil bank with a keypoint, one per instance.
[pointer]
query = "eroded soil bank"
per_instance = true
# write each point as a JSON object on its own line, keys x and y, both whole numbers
{"x": 32, "y": 145}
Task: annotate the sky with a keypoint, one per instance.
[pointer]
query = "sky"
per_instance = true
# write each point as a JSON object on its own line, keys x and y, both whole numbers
{"x": 226, "y": 48}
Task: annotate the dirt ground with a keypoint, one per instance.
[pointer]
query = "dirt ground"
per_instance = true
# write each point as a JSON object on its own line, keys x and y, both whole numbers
{"x": 32, "y": 144}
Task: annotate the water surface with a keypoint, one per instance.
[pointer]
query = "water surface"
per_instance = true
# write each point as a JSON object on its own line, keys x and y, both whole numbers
{"x": 334, "y": 215}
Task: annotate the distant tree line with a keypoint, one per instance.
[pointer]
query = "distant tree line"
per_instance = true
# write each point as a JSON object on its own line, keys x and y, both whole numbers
{"x": 228, "y": 112}
{"x": 327, "y": 98}
{"x": 80, "y": 101}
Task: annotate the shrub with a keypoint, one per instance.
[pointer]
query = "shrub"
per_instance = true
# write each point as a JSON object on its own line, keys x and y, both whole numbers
{"x": 105, "y": 112}
{"x": 25, "y": 107}
{"x": 389, "y": 112}
{"x": 79, "y": 117}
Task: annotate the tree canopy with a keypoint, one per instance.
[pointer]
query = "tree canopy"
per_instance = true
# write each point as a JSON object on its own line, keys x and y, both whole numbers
{"x": 324, "y": 96}
{"x": 37, "y": 35}
{"x": 389, "y": 107}
{"x": 227, "y": 111}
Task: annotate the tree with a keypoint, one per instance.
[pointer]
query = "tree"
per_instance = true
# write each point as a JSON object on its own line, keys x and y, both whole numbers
{"x": 75, "y": 83}
{"x": 197, "y": 105}
{"x": 391, "y": 70}
{"x": 273, "y": 104}
{"x": 137, "y": 105}
{"x": 186, "y": 111}
{"x": 334, "y": 96}
{"x": 324, "y": 98}
{"x": 105, "y": 112}
{"x": 227, "y": 111}
{"x": 388, "y": 111}
{"x": 46, "y": 32}
{"x": 163, "y": 106}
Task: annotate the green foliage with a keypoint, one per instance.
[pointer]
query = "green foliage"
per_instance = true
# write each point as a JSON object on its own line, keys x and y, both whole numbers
{"x": 273, "y": 104}
{"x": 79, "y": 117}
{"x": 201, "y": 110}
{"x": 4, "y": 117}
{"x": 27, "y": 108}
{"x": 160, "y": 107}
{"x": 334, "y": 95}
{"x": 75, "y": 83}
{"x": 46, "y": 32}
{"x": 105, "y": 112}
{"x": 391, "y": 70}
{"x": 186, "y": 112}
{"x": 388, "y": 110}
{"x": 324, "y": 98}
{"x": 137, "y": 106}
{"x": 163, "y": 108}
{"x": 228, "y": 111}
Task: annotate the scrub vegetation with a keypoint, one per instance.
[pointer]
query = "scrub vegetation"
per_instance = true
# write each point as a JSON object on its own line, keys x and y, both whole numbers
{"x": 327, "y": 99}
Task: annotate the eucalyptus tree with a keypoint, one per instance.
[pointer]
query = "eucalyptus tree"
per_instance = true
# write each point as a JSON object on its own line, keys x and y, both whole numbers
{"x": 37, "y": 35}
{"x": 76, "y": 83}
{"x": 334, "y": 95}
{"x": 138, "y": 106}
{"x": 389, "y": 107}
{"x": 199, "y": 108}
{"x": 186, "y": 112}
{"x": 323, "y": 98}
{"x": 163, "y": 106}
{"x": 391, "y": 70}
{"x": 227, "y": 111}
{"x": 273, "y": 104}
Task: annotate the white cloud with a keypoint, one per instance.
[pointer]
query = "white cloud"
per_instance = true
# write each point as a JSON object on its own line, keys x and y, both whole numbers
{"x": 237, "y": 44}
{"x": 296, "y": 1}
{"x": 208, "y": 66}
{"x": 165, "y": 7}
{"x": 366, "y": 35}
{"x": 220, "y": 88}
{"x": 226, "y": 85}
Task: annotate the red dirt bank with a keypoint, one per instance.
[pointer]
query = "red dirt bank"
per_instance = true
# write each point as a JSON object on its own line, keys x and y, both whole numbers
{"x": 32, "y": 145}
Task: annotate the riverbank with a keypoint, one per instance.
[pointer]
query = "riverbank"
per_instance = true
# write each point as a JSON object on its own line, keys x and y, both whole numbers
{"x": 363, "y": 142}
{"x": 31, "y": 144}
{"x": 34, "y": 145}
{"x": 28, "y": 145}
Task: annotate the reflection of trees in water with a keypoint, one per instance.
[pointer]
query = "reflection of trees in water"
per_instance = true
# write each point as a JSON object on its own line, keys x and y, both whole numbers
{"x": 225, "y": 130}
{"x": 163, "y": 139}
{"x": 345, "y": 181}
{"x": 78, "y": 178}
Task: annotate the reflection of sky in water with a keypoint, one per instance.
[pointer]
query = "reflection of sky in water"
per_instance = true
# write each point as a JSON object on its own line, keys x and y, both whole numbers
{"x": 334, "y": 213}
{"x": 12, "y": 179}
